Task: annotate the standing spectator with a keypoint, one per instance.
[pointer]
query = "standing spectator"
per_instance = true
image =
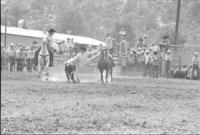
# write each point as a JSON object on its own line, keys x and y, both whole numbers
{"x": 195, "y": 64}
{"x": 168, "y": 60}
{"x": 36, "y": 50}
{"x": 156, "y": 62}
{"x": 4, "y": 57}
{"x": 147, "y": 64}
{"x": 12, "y": 57}
{"x": 108, "y": 41}
{"x": 20, "y": 62}
{"x": 30, "y": 59}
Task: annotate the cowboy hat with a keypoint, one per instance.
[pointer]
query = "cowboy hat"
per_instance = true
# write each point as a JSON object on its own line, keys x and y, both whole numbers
{"x": 168, "y": 51}
{"x": 196, "y": 53}
{"x": 12, "y": 44}
{"x": 51, "y": 30}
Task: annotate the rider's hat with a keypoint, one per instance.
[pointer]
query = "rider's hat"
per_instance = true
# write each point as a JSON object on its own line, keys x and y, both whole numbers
{"x": 51, "y": 30}
{"x": 169, "y": 51}
{"x": 83, "y": 48}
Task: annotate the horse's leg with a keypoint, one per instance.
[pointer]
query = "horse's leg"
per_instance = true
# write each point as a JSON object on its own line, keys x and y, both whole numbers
{"x": 72, "y": 77}
{"x": 39, "y": 66}
{"x": 107, "y": 71}
{"x": 111, "y": 70}
{"x": 68, "y": 78}
{"x": 46, "y": 66}
{"x": 101, "y": 71}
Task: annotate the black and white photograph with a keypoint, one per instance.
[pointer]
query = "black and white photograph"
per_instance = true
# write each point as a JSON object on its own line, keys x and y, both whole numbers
{"x": 100, "y": 67}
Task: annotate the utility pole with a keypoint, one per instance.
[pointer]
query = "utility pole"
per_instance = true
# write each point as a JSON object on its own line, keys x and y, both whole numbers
{"x": 176, "y": 31}
{"x": 177, "y": 22}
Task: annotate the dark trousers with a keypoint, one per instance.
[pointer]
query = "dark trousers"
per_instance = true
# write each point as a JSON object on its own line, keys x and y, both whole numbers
{"x": 195, "y": 67}
{"x": 12, "y": 63}
{"x": 155, "y": 71}
{"x": 30, "y": 64}
{"x": 167, "y": 67}
{"x": 51, "y": 57}
{"x": 20, "y": 64}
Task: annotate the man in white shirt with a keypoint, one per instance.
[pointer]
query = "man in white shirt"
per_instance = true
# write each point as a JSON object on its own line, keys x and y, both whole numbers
{"x": 168, "y": 60}
{"x": 195, "y": 65}
{"x": 12, "y": 57}
{"x": 147, "y": 63}
{"x": 82, "y": 59}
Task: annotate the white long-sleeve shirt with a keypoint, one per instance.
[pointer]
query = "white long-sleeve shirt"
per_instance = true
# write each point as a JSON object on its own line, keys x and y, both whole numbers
{"x": 82, "y": 58}
{"x": 196, "y": 60}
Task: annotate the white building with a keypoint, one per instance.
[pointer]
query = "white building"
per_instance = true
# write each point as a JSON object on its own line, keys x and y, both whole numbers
{"x": 27, "y": 36}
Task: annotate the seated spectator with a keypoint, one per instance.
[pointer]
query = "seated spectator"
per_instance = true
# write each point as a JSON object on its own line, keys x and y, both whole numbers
{"x": 189, "y": 72}
{"x": 184, "y": 71}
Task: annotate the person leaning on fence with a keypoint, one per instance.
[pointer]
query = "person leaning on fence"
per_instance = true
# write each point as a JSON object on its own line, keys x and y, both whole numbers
{"x": 168, "y": 60}
{"x": 12, "y": 57}
{"x": 195, "y": 65}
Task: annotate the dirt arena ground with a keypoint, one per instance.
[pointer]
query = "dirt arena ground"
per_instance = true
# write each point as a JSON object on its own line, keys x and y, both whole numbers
{"x": 128, "y": 105}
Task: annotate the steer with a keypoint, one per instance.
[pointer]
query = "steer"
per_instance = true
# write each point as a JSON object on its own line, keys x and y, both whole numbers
{"x": 69, "y": 72}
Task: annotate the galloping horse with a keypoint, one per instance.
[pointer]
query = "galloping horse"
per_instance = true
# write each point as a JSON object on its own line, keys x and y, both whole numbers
{"x": 105, "y": 62}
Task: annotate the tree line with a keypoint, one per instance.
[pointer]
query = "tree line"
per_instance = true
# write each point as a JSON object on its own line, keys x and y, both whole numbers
{"x": 96, "y": 18}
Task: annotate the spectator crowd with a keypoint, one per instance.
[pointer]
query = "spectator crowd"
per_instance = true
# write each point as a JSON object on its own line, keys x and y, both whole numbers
{"x": 155, "y": 60}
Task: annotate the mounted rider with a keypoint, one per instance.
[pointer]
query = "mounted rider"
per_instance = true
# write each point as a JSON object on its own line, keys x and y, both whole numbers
{"x": 44, "y": 54}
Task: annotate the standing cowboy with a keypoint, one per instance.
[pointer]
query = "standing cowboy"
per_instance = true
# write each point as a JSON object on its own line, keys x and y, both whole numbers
{"x": 147, "y": 63}
{"x": 12, "y": 57}
{"x": 195, "y": 65}
{"x": 156, "y": 62}
{"x": 168, "y": 60}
